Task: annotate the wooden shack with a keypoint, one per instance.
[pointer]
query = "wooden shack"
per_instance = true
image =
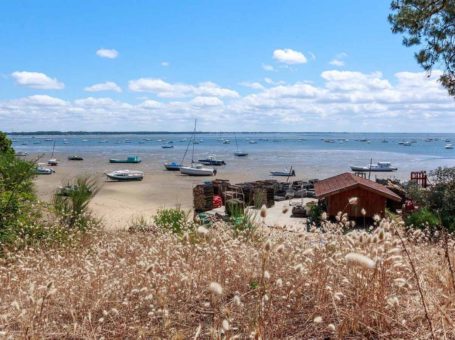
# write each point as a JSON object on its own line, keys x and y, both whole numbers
{"x": 337, "y": 190}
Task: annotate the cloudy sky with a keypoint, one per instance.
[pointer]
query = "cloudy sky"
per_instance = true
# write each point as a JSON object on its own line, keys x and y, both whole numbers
{"x": 235, "y": 65}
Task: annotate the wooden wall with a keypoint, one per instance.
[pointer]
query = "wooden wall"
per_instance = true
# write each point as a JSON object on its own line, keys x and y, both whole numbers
{"x": 370, "y": 201}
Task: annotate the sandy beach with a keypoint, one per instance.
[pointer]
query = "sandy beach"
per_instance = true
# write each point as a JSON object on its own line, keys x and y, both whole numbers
{"x": 118, "y": 203}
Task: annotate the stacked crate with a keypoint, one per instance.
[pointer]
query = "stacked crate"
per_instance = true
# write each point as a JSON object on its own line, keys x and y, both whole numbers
{"x": 203, "y": 197}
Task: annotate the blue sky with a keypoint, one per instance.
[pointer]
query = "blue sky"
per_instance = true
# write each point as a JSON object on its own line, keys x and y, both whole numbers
{"x": 235, "y": 65}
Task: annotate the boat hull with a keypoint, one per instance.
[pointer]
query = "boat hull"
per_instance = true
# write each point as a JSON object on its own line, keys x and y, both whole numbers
{"x": 211, "y": 162}
{"x": 118, "y": 161}
{"x": 283, "y": 174}
{"x": 190, "y": 171}
{"x": 365, "y": 169}
{"x": 172, "y": 166}
{"x": 240, "y": 154}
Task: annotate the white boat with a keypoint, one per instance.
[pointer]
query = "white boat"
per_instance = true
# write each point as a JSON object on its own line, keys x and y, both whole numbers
{"x": 53, "y": 161}
{"x": 21, "y": 154}
{"x": 125, "y": 175}
{"x": 378, "y": 167}
{"x": 41, "y": 170}
{"x": 449, "y": 146}
{"x": 197, "y": 169}
{"x": 285, "y": 173}
{"x": 167, "y": 146}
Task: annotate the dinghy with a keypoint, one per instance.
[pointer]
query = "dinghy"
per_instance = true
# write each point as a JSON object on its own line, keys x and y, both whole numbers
{"x": 129, "y": 159}
{"x": 239, "y": 153}
{"x": 167, "y": 146}
{"x": 125, "y": 175}
{"x": 53, "y": 161}
{"x": 449, "y": 146}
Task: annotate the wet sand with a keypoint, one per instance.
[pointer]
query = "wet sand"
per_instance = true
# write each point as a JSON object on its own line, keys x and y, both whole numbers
{"x": 118, "y": 203}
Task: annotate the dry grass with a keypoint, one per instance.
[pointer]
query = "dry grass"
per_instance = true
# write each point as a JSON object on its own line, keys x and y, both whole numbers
{"x": 212, "y": 285}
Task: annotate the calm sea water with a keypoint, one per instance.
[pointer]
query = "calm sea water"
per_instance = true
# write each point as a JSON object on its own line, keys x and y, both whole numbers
{"x": 312, "y": 154}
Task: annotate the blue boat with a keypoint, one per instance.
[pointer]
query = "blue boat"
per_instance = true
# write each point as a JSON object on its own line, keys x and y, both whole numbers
{"x": 130, "y": 159}
{"x": 172, "y": 166}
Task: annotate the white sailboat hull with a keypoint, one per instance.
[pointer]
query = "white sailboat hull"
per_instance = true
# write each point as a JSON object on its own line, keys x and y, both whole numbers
{"x": 197, "y": 171}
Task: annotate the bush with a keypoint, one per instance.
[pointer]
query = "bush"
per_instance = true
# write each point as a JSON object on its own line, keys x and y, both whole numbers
{"x": 422, "y": 219}
{"x": 174, "y": 220}
{"x": 71, "y": 203}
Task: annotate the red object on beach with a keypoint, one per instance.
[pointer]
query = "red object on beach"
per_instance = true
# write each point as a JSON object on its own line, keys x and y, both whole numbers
{"x": 217, "y": 201}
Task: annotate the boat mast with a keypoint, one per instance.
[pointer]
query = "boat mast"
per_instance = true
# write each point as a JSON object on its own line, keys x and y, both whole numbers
{"x": 194, "y": 140}
{"x": 53, "y": 148}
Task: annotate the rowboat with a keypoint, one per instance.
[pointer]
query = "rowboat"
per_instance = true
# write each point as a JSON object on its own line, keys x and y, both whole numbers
{"x": 129, "y": 159}
{"x": 125, "y": 175}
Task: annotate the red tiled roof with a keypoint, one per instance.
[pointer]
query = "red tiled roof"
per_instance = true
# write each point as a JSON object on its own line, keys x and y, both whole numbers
{"x": 346, "y": 181}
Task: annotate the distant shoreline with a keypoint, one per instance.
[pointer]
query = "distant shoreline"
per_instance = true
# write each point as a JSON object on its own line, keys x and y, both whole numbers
{"x": 83, "y": 133}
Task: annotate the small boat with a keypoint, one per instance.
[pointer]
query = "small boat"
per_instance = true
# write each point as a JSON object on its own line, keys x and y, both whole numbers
{"x": 378, "y": 167}
{"x": 172, "y": 166}
{"x": 129, "y": 159}
{"x": 211, "y": 160}
{"x": 85, "y": 140}
{"x": 41, "y": 170}
{"x": 226, "y": 141}
{"x": 125, "y": 175}
{"x": 253, "y": 142}
{"x": 385, "y": 141}
{"x": 52, "y": 162}
{"x": 21, "y": 154}
{"x": 48, "y": 139}
{"x": 449, "y": 146}
{"x": 285, "y": 173}
{"x": 197, "y": 169}
{"x": 75, "y": 158}
{"x": 240, "y": 154}
{"x": 167, "y": 146}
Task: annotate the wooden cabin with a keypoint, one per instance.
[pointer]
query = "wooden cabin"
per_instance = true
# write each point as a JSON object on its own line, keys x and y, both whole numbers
{"x": 337, "y": 190}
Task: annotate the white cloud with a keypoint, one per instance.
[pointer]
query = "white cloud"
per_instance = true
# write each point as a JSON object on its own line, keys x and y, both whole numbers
{"x": 344, "y": 100}
{"x": 339, "y": 59}
{"x": 289, "y": 56}
{"x": 267, "y": 67}
{"x": 336, "y": 62}
{"x": 165, "y": 63}
{"x": 106, "y": 86}
{"x": 37, "y": 80}
{"x": 179, "y": 90}
{"x": 206, "y": 101}
{"x": 252, "y": 85}
{"x": 107, "y": 53}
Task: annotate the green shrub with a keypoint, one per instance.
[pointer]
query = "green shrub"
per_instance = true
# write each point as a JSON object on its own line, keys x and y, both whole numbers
{"x": 174, "y": 220}
{"x": 423, "y": 218}
{"x": 71, "y": 203}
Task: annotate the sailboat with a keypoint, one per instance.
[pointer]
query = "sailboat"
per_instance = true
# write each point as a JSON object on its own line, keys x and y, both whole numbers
{"x": 239, "y": 153}
{"x": 53, "y": 161}
{"x": 196, "y": 169}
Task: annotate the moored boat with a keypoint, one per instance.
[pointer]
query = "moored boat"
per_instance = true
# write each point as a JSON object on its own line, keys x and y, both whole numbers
{"x": 240, "y": 154}
{"x": 42, "y": 170}
{"x": 197, "y": 169}
{"x": 285, "y": 173}
{"x": 125, "y": 175}
{"x": 378, "y": 167}
{"x": 167, "y": 146}
{"x": 21, "y": 154}
{"x": 75, "y": 158}
{"x": 211, "y": 160}
{"x": 129, "y": 159}
{"x": 449, "y": 146}
{"x": 172, "y": 166}
{"x": 52, "y": 162}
